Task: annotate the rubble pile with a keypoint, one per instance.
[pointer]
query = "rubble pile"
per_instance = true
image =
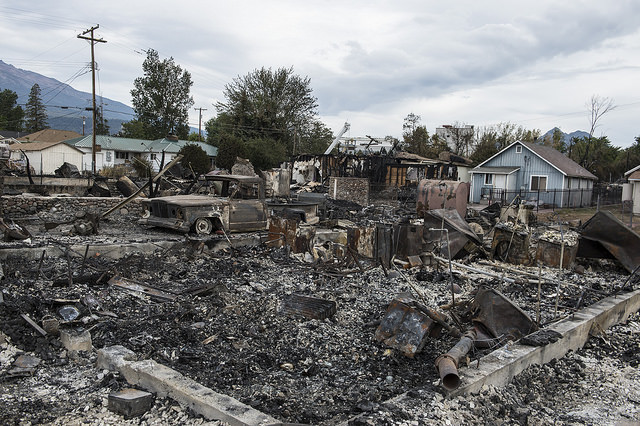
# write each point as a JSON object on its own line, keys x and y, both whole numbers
{"x": 312, "y": 335}
{"x": 225, "y": 325}
{"x": 297, "y": 369}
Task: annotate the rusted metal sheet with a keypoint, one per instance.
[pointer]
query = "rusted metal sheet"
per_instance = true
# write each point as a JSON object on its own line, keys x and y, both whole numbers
{"x": 408, "y": 239}
{"x": 605, "y": 230}
{"x": 383, "y": 244}
{"x": 550, "y": 253}
{"x": 362, "y": 240}
{"x": 438, "y": 194}
{"x": 405, "y": 327}
{"x": 308, "y": 307}
{"x": 460, "y": 233}
{"x": 288, "y": 232}
{"x": 500, "y": 316}
{"x": 510, "y": 245}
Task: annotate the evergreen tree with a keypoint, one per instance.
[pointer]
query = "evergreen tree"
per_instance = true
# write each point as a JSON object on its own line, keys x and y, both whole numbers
{"x": 195, "y": 158}
{"x": 11, "y": 114}
{"x": 35, "y": 114}
{"x": 102, "y": 124}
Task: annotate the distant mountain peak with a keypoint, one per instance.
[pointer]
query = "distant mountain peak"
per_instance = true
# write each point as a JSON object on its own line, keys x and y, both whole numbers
{"x": 567, "y": 136}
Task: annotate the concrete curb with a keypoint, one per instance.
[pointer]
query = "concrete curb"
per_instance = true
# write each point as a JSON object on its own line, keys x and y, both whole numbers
{"x": 501, "y": 365}
{"x": 110, "y": 251}
{"x": 165, "y": 381}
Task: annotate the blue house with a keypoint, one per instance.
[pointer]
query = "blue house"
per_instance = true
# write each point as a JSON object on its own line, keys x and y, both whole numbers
{"x": 536, "y": 173}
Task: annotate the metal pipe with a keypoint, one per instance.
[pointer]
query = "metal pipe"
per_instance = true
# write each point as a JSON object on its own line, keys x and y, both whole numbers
{"x": 453, "y": 293}
{"x": 447, "y": 364}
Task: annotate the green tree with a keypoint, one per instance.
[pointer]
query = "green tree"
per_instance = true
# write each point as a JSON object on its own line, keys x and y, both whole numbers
{"x": 230, "y": 147}
{"x": 11, "y": 114}
{"x": 415, "y": 135}
{"x": 195, "y": 158}
{"x": 493, "y": 139}
{"x": 627, "y": 159}
{"x": 102, "y": 124}
{"x": 436, "y": 146}
{"x": 555, "y": 140}
{"x": 219, "y": 127}
{"x": 314, "y": 139}
{"x": 598, "y": 156}
{"x": 161, "y": 98}
{"x": 487, "y": 146}
{"x": 416, "y": 139}
{"x": 265, "y": 153}
{"x": 35, "y": 114}
{"x": 267, "y": 105}
{"x": 134, "y": 129}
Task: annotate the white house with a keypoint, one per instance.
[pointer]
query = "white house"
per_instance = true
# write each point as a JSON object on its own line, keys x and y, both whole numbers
{"x": 633, "y": 176}
{"x": 112, "y": 151}
{"x": 46, "y": 157}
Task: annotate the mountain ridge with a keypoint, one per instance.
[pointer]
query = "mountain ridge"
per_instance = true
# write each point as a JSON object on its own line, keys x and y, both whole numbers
{"x": 65, "y": 105}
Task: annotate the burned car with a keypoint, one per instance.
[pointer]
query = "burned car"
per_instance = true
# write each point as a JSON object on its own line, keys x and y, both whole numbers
{"x": 238, "y": 206}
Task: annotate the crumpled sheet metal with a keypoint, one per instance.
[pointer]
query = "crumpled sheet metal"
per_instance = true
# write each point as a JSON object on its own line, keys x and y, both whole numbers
{"x": 607, "y": 231}
{"x": 404, "y": 328}
{"x": 460, "y": 233}
{"x": 500, "y": 316}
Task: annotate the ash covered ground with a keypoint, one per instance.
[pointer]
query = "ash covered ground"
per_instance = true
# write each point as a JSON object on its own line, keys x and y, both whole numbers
{"x": 234, "y": 337}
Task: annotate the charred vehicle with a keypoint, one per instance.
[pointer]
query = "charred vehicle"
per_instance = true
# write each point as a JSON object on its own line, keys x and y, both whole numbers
{"x": 239, "y": 206}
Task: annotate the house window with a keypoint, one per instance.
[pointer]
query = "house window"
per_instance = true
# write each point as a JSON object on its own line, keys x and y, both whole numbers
{"x": 538, "y": 183}
{"x": 153, "y": 156}
{"x": 518, "y": 149}
{"x": 108, "y": 157}
{"x": 122, "y": 155}
{"x": 488, "y": 179}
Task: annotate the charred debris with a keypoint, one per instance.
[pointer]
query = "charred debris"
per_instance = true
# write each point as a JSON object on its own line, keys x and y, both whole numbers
{"x": 362, "y": 278}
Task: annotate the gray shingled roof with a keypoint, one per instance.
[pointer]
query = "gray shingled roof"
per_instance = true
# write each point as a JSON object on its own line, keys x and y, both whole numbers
{"x": 495, "y": 170}
{"x": 563, "y": 163}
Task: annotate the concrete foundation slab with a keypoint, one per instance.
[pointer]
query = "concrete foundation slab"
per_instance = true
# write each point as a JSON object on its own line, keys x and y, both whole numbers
{"x": 165, "y": 381}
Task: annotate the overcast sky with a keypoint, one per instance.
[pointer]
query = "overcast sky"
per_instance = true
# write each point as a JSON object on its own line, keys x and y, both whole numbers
{"x": 371, "y": 63}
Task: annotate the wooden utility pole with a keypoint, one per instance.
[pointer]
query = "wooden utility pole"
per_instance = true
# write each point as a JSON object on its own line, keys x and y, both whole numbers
{"x": 200, "y": 123}
{"x": 93, "y": 90}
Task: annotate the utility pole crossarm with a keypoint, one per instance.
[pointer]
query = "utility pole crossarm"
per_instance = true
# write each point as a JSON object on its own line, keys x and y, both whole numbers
{"x": 200, "y": 123}
{"x": 93, "y": 41}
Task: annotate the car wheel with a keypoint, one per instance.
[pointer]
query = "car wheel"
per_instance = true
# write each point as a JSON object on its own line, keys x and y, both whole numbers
{"x": 203, "y": 226}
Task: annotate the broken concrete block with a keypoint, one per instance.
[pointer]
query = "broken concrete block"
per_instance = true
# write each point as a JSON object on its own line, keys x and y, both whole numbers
{"x": 414, "y": 261}
{"x": 130, "y": 402}
{"x": 76, "y": 340}
{"x": 51, "y": 325}
{"x": 24, "y": 365}
{"x": 113, "y": 358}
